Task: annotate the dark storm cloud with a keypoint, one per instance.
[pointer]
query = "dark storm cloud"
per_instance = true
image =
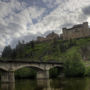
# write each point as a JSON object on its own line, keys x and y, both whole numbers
{"x": 86, "y": 10}
{"x": 39, "y": 3}
{"x": 49, "y": 5}
{"x": 5, "y": 1}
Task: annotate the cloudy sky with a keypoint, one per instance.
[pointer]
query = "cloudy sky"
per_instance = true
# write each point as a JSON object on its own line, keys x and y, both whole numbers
{"x": 27, "y": 19}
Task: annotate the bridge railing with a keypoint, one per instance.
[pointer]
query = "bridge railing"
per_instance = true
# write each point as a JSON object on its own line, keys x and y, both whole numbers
{"x": 24, "y": 61}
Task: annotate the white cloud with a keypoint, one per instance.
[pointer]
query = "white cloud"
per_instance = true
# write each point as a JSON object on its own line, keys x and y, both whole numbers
{"x": 21, "y": 21}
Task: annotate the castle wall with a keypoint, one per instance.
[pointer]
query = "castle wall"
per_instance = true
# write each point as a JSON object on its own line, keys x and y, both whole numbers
{"x": 50, "y": 36}
{"x": 40, "y": 39}
{"x": 77, "y": 31}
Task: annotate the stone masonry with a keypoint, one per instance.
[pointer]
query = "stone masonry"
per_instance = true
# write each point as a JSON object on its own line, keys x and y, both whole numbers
{"x": 9, "y": 67}
{"x": 77, "y": 31}
{"x": 50, "y": 36}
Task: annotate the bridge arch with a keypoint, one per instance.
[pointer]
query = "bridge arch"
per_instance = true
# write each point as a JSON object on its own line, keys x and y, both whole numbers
{"x": 3, "y": 68}
{"x": 36, "y": 67}
{"x": 11, "y": 66}
{"x": 41, "y": 72}
{"x": 56, "y": 71}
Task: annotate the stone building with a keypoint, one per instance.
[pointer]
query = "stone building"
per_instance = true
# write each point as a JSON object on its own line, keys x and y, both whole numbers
{"x": 77, "y": 31}
{"x": 40, "y": 39}
{"x": 50, "y": 36}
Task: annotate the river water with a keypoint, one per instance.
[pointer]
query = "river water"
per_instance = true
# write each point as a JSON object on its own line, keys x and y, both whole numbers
{"x": 51, "y": 84}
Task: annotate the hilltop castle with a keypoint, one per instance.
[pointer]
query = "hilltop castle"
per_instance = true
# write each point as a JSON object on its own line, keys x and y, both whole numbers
{"x": 77, "y": 31}
{"x": 50, "y": 36}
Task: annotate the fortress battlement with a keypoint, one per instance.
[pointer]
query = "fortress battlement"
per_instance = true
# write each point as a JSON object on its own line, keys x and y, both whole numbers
{"x": 77, "y": 31}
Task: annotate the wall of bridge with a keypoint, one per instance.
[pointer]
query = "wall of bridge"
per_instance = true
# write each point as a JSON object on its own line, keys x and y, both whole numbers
{"x": 16, "y": 66}
{"x": 8, "y": 70}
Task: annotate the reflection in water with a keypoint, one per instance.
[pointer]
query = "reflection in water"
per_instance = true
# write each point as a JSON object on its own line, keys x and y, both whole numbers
{"x": 42, "y": 83}
{"x": 77, "y": 84}
{"x": 50, "y": 84}
{"x": 64, "y": 84}
{"x": 38, "y": 84}
{"x": 8, "y": 86}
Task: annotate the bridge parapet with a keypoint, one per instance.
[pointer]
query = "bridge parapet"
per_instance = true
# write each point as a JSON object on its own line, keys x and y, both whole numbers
{"x": 42, "y": 68}
{"x": 15, "y": 65}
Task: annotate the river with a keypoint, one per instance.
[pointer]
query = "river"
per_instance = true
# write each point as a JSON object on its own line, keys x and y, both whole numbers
{"x": 51, "y": 84}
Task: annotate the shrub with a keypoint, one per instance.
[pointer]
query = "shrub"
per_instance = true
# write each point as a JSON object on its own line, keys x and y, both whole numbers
{"x": 74, "y": 66}
{"x": 87, "y": 71}
{"x": 54, "y": 72}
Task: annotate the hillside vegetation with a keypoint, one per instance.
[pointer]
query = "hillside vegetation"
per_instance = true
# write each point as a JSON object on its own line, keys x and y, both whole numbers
{"x": 54, "y": 50}
{"x": 71, "y": 52}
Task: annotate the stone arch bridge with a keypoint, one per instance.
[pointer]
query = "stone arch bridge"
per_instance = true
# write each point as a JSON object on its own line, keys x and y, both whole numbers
{"x": 9, "y": 67}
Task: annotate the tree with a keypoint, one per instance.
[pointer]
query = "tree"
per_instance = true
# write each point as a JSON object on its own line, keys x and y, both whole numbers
{"x": 7, "y": 52}
{"x": 20, "y": 50}
{"x": 74, "y": 66}
{"x": 54, "y": 72}
{"x": 54, "y": 43}
{"x": 14, "y": 54}
{"x": 62, "y": 47}
{"x": 32, "y": 44}
{"x": 72, "y": 42}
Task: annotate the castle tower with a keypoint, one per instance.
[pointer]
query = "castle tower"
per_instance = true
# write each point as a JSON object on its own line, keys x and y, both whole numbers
{"x": 86, "y": 31}
{"x": 64, "y": 30}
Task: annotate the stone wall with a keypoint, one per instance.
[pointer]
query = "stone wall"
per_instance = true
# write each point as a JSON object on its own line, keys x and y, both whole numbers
{"x": 40, "y": 39}
{"x": 77, "y": 31}
{"x": 50, "y": 36}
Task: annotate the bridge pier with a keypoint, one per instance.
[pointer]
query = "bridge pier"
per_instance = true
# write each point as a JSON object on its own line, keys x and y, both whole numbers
{"x": 43, "y": 74}
{"x": 7, "y": 77}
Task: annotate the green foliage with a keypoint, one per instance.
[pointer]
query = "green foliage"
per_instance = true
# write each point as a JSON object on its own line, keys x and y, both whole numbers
{"x": 87, "y": 71}
{"x": 7, "y": 52}
{"x": 25, "y": 73}
{"x": 50, "y": 50}
{"x": 74, "y": 66}
{"x": 32, "y": 44}
{"x": 54, "y": 72}
{"x": 54, "y": 50}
